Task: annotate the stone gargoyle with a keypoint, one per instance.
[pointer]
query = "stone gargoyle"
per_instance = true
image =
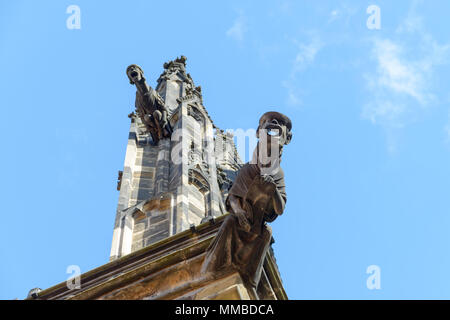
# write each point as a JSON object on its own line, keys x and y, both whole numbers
{"x": 256, "y": 197}
{"x": 149, "y": 105}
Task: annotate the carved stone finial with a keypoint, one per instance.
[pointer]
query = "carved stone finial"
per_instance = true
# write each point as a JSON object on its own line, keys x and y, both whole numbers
{"x": 181, "y": 59}
{"x": 178, "y": 62}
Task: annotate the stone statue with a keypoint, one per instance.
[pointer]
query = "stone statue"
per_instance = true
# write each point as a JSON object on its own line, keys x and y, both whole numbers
{"x": 149, "y": 105}
{"x": 257, "y": 196}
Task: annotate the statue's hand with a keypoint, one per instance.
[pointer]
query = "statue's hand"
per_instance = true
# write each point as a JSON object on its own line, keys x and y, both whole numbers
{"x": 240, "y": 215}
{"x": 268, "y": 179}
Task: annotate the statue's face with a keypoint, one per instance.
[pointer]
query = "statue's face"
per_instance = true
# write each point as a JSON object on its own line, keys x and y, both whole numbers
{"x": 276, "y": 130}
{"x": 135, "y": 74}
{"x": 273, "y": 133}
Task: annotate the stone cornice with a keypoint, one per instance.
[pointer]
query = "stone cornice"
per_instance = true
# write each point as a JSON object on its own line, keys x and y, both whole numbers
{"x": 165, "y": 254}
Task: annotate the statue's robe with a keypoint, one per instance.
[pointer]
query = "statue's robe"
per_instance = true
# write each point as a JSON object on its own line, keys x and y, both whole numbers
{"x": 233, "y": 247}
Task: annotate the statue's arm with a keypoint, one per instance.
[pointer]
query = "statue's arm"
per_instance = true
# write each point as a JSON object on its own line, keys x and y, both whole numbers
{"x": 237, "y": 210}
{"x": 278, "y": 202}
{"x": 278, "y": 198}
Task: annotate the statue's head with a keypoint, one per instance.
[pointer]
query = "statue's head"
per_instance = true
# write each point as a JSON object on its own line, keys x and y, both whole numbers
{"x": 134, "y": 73}
{"x": 276, "y": 126}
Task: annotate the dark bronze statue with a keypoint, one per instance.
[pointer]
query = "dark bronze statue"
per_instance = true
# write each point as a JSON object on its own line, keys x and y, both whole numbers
{"x": 149, "y": 105}
{"x": 257, "y": 196}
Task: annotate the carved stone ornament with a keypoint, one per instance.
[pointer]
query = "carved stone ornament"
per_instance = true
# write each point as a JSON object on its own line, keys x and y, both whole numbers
{"x": 256, "y": 197}
{"x": 150, "y": 107}
{"x": 177, "y": 66}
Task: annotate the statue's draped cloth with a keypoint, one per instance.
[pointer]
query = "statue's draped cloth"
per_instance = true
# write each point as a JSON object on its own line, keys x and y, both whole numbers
{"x": 233, "y": 247}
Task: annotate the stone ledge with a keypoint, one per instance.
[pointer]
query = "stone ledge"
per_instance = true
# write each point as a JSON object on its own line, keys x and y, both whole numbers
{"x": 168, "y": 269}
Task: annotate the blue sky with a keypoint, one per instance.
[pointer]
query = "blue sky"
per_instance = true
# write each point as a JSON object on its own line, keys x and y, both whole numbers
{"x": 368, "y": 174}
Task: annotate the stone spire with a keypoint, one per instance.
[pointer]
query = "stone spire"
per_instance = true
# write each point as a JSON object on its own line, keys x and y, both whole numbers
{"x": 175, "y": 183}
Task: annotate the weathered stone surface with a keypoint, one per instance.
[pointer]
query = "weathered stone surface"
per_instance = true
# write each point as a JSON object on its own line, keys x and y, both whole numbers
{"x": 154, "y": 219}
{"x": 168, "y": 269}
{"x": 150, "y": 107}
{"x": 192, "y": 188}
{"x": 257, "y": 196}
{"x": 177, "y": 173}
{"x": 228, "y": 288}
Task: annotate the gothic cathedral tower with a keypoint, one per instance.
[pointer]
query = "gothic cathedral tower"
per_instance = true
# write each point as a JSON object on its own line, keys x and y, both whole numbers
{"x": 181, "y": 181}
{"x": 171, "y": 205}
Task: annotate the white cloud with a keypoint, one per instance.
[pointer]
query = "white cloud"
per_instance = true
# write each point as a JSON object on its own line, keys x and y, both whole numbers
{"x": 400, "y": 83}
{"x": 293, "y": 96}
{"x": 334, "y": 14}
{"x": 344, "y": 11}
{"x": 413, "y": 22}
{"x": 385, "y": 111}
{"x": 306, "y": 53}
{"x": 395, "y": 74}
{"x": 305, "y": 57}
{"x": 238, "y": 29}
